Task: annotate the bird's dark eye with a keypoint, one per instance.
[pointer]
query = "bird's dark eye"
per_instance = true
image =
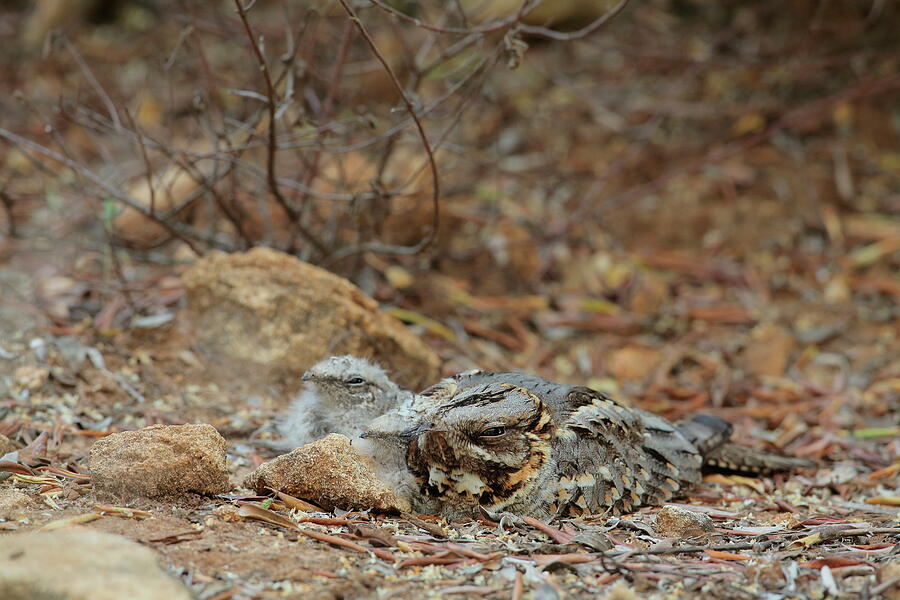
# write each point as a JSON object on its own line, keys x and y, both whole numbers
{"x": 491, "y": 432}
{"x": 355, "y": 381}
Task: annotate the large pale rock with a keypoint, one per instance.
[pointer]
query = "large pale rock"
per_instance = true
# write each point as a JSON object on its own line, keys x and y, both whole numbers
{"x": 329, "y": 472}
{"x": 168, "y": 462}
{"x": 269, "y": 315}
{"x": 677, "y": 522}
{"x": 82, "y": 564}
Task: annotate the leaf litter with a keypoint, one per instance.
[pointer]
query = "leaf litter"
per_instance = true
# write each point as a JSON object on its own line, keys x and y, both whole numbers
{"x": 760, "y": 287}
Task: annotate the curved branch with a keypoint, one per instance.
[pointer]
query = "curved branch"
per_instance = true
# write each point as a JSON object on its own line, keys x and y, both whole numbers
{"x": 100, "y": 183}
{"x": 293, "y": 215}
{"x": 527, "y": 7}
{"x": 436, "y": 193}
{"x": 580, "y": 33}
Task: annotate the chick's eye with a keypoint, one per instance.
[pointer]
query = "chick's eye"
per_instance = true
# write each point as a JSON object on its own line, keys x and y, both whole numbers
{"x": 355, "y": 381}
{"x": 491, "y": 432}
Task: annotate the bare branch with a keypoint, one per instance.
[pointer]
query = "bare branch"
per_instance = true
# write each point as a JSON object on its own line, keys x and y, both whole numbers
{"x": 435, "y": 179}
{"x": 89, "y": 75}
{"x": 578, "y": 34}
{"x": 7, "y": 202}
{"x": 99, "y": 182}
{"x": 293, "y": 215}
{"x": 527, "y": 7}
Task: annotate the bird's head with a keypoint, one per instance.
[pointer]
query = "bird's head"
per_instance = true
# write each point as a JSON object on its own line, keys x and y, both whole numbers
{"x": 349, "y": 381}
{"x": 484, "y": 444}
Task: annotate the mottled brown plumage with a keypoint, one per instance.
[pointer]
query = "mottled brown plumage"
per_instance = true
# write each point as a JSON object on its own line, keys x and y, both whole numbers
{"x": 509, "y": 442}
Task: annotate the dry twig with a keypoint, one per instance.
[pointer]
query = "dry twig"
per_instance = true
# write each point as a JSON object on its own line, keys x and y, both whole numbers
{"x": 271, "y": 149}
{"x": 435, "y": 179}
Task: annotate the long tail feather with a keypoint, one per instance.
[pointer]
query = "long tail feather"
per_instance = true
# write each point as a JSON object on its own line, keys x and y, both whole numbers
{"x": 732, "y": 457}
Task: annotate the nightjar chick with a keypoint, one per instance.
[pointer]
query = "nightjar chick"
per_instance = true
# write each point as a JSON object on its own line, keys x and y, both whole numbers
{"x": 508, "y": 442}
{"x": 343, "y": 394}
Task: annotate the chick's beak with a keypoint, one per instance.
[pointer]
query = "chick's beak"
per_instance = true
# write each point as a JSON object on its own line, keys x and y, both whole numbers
{"x": 414, "y": 432}
{"x": 307, "y": 376}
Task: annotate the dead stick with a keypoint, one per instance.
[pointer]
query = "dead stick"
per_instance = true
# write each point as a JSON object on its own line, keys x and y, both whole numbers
{"x": 552, "y": 532}
{"x": 421, "y": 561}
{"x": 883, "y": 587}
{"x": 99, "y": 182}
{"x": 513, "y": 19}
{"x": 518, "y": 587}
{"x": 684, "y": 549}
{"x": 338, "y": 541}
{"x": 272, "y": 180}
{"x": 574, "y": 35}
{"x": 435, "y": 191}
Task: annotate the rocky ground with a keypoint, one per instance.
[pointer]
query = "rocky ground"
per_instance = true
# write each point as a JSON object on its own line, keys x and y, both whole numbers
{"x": 700, "y": 218}
{"x": 172, "y": 487}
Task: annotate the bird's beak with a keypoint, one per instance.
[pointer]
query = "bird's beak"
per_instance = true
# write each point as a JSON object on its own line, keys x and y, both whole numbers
{"x": 413, "y": 433}
{"x": 404, "y": 437}
{"x": 307, "y": 376}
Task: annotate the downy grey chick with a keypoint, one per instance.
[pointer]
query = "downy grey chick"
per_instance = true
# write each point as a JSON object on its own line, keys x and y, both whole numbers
{"x": 343, "y": 394}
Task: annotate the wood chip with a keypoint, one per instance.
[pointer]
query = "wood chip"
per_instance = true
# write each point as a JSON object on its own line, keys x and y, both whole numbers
{"x": 726, "y": 555}
{"x": 421, "y": 561}
{"x": 552, "y": 532}
{"x": 13, "y": 467}
{"x": 884, "y": 500}
{"x": 121, "y": 511}
{"x": 339, "y": 541}
{"x": 433, "y": 528}
{"x": 69, "y": 521}
{"x": 469, "y": 553}
{"x": 569, "y": 559}
{"x": 885, "y": 472}
{"x": 375, "y": 534}
{"x": 296, "y": 503}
